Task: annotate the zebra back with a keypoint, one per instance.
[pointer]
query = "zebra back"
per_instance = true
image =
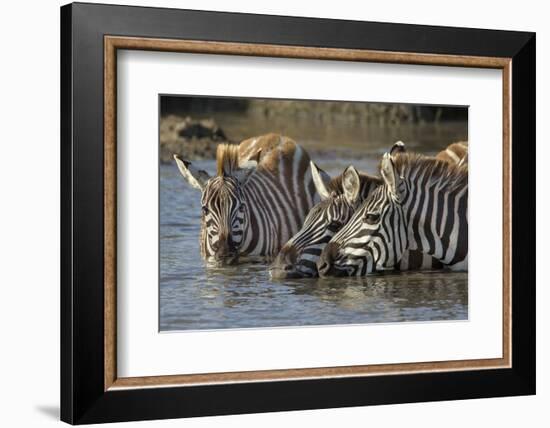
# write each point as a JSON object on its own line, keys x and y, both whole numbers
{"x": 278, "y": 193}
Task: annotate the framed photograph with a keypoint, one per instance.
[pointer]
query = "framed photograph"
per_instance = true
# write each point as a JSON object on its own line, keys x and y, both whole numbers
{"x": 266, "y": 213}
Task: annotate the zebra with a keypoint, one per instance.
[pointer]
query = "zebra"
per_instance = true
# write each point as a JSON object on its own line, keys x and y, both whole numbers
{"x": 257, "y": 200}
{"x": 422, "y": 205}
{"x": 340, "y": 197}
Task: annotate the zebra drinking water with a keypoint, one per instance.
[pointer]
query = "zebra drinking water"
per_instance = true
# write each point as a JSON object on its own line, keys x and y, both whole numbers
{"x": 257, "y": 200}
{"x": 422, "y": 205}
{"x": 340, "y": 197}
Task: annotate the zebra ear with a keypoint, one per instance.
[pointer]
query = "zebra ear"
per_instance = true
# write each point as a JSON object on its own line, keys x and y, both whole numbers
{"x": 320, "y": 179}
{"x": 196, "y": 178}
{"x": 351, "y": 184}
{"x": 390, "y": 176}
{"x": 398, "y": 147}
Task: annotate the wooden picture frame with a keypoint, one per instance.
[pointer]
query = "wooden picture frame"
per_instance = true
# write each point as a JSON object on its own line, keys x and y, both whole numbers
{"x": 91, "y": 391}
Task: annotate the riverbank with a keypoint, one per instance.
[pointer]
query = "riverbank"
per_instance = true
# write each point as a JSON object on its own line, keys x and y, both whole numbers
{"x": 196, "y": 137}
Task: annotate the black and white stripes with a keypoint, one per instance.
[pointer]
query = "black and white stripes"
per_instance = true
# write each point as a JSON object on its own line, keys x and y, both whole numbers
{"x": 261, "y": 203}
{"x": 422, "y": 205}
{"x": 339, "y": 199}
{"x": 258, "y": 199}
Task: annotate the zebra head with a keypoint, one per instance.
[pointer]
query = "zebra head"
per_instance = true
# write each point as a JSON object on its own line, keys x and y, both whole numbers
{"x": 340, "y": 198}
{"x": 375, "y": 237}
{"x": 223, "y": 206}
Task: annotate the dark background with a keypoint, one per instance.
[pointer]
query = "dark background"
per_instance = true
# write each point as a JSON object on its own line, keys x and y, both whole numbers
{"x": 192, "y": 126}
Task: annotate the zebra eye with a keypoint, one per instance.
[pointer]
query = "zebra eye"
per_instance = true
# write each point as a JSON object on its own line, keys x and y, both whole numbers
{"x": 241, "y": 207}
{"x": 335, "y": 223}
{"x": 372, "y": 218}
{"x": 205, "y": 210}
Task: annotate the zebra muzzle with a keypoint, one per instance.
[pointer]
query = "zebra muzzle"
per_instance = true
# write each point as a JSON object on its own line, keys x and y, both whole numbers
{"x": 226, "y": 257}
{"x": 283, "y": 270}
{"x": 284, "y": 265}
{"x": 325, "y": 264}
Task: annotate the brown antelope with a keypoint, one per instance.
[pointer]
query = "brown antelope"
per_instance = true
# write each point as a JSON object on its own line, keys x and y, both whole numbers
{"x": 456, "y": 153}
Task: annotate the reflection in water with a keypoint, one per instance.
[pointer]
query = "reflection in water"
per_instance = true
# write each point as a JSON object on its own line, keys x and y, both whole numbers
{"x": 239, "y": 296}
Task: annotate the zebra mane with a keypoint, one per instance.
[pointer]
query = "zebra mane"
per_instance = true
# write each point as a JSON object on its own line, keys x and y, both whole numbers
{"x": 227, "y": 159}
{"x": 408, "y": 163}
{"x": 336, "y": 184}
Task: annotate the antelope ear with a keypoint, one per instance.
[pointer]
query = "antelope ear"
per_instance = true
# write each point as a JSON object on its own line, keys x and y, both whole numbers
{"x": 320, "y": 179}
{"x": 398, "y": 147}
{"x": 351, "y": 184}
{"x": 196, "y": 178}
{"x": 389, "y": 174}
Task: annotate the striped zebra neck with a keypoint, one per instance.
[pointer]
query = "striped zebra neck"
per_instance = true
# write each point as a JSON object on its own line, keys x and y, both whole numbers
{"x": 274, "y": 212}
{"x": 278, "y": 196}
{"x": 435, "y": 204}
